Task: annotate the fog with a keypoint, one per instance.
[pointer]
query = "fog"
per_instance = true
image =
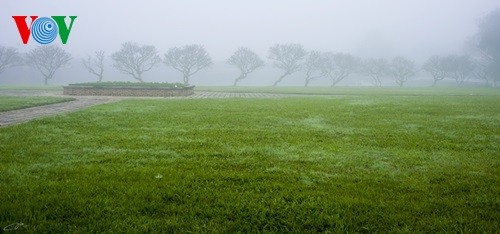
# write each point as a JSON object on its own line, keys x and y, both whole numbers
{"x": 365, "y": 28}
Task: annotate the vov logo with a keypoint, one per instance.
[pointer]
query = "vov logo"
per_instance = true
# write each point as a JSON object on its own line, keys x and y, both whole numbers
{"x": 44, "y": 29}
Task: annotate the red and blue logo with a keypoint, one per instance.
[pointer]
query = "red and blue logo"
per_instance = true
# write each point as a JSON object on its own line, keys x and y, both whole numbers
{"x": 44, "y": 30}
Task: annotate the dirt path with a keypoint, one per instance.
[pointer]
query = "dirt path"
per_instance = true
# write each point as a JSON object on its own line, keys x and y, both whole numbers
{"x": 23, "y": 115}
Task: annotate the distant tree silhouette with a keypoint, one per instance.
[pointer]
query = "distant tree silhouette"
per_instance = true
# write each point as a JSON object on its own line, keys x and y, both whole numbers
{"x": 376, "y": 69}
{"x": 488, "y": 41}
{"x": 189, "y": 60}
{"x": 436, "y": 66}
{"x": 245, "y": 60}
{"x": 48, "y": 59}
{"x": 338, "y": 66}
{"x": 314, "y": 66}
{"x": 9, "y": 57}
{"x": 287, "y": 57}
{"x": 402, "y": 69}
{"x": 95, "y": 65}
{"x": 134, "y": 59}
{"x": 460, "y": 68}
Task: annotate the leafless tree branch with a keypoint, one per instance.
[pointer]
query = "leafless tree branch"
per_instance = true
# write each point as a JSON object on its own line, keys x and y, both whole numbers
{"x": 134, "y": 59}
{"x": 338, "y": 66}
{"x": 287, "y": 57}
{"x": 245, "y": 60}
{"x": 9, "y": 57}
{"x": 48, "y": 59}
{"x": 95, "y": 65}
{"x": 189, "y": 60}
{"x": 314, "y": 66}
{"x": 376, "y": 69}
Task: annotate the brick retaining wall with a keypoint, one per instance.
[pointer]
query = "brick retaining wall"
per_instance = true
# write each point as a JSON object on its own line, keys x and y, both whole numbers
{"x": 128, "y": 91}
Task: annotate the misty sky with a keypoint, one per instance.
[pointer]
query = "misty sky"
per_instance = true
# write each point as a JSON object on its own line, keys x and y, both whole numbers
{"x": 383, "y": 28}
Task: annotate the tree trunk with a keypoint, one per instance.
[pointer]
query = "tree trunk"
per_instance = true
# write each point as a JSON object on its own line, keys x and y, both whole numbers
{"x": 399, "y": 83}
{"x": 241, "y": 77}
{"x": 101, "y": 74}
{"x": 307, "y": 82}
{"x": 376, "y": 81}
{"x": 334, "y": 82}
{"x": 138, "y": 77}
{"x": 486, "y": 81}
{"x": 338, "y": 79}
{"x": 309, "y": 78}
{"x": 46, "y": 82}
{"x": 281, "y": 78}
{"x": 434, "y": 83}
{"x": 459, "y": 81}
{"x": 186, "y": 79}
{"x": 401, "y": 80}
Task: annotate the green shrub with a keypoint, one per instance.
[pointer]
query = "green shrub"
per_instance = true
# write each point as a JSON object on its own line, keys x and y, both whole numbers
{"x": 131, "y": 84}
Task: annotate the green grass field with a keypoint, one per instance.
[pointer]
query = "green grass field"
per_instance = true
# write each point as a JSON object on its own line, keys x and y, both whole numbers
{"x": 13, "y": 103}
{"x": 370, "y": 91}
{"x": 356, "y": 163}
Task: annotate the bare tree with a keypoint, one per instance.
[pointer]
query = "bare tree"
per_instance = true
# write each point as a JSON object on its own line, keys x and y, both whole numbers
{"x": 189, "y": 60}
{"x": 134, "y": 59}
{"x": 287, "y": 57}
{"x": 436, "y": 66}
{"x": 482, "y": 70}
{"x": 376, "y": 69}
{"x": 314, "y": 66}
{"x": 484, "y": 64}
{"x": 402, "y": 69}
{"x": 494, "y": 71}
{"x": 9, "y": 57}
{"x": 48, "y": 59}
{"x": 488, "y": 38}
{"x": 338, "y": 66}
{"x": 459, "y": 68}
{"x": 246, "y": 60}
{"x": 95, "y": 65}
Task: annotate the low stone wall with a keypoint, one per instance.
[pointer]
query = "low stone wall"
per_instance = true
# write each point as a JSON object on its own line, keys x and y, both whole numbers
{"x": 128, "y": 91}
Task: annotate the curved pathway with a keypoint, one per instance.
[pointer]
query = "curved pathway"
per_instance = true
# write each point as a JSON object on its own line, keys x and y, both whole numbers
{"x": 23, "y": 115}
{"x": 27, "y": 114}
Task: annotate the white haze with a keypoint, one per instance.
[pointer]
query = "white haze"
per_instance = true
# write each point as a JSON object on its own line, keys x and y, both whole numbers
{"x": 366, "y": 28}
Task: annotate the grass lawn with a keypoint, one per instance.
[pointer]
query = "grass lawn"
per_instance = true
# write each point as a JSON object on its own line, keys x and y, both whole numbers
{"x": 368, "y": 163}
{"x": 14, "y": 102}
{"x": 370, "y": 91}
